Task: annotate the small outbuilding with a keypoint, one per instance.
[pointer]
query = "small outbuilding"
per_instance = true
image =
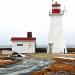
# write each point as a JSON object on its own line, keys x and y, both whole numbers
{"x": 24, "y": 44}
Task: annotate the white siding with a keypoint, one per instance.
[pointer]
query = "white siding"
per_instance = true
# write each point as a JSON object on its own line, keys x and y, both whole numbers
{"x": 56, "y": 35}
{"x": 28, "y": 46}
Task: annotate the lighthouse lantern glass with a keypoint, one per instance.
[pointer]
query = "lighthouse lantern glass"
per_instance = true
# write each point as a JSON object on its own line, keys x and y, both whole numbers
{"x": 56, "y": 8}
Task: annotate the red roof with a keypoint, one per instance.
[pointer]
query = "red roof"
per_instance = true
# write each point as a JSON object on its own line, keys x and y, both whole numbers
{"x": 56, "y": 4}
{"x": 21, "y": 38}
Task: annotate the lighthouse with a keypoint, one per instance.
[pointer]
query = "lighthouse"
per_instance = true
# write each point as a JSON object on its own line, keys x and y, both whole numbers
{"x": 56, "y": 35}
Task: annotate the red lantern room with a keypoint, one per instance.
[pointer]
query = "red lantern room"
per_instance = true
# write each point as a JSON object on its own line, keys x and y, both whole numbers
{"x": 56, "y": 8}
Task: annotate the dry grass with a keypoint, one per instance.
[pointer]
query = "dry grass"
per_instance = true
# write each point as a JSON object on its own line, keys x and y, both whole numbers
{"x": 48, "y": 55}
{"x": 43, "y": 55}
{"x": 69, "y": 55}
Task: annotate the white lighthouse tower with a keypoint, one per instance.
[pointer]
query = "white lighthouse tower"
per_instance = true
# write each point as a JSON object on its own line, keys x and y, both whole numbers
{"x": 56, "y": 34}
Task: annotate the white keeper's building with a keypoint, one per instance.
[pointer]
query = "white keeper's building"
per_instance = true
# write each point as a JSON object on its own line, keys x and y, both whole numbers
{"x": 24, "y": 44}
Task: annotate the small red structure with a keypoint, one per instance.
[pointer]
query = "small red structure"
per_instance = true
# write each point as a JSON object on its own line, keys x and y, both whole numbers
{"x": 29, "y": 34}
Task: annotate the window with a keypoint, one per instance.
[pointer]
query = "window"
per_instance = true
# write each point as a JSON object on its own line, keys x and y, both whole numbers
{"x": 19, "y": 44}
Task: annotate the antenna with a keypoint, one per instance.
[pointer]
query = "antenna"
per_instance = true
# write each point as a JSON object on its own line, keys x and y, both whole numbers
{"x": 49, "y": 13}
{"x": 52, "y": 1}
{"x": 64, "y": 9}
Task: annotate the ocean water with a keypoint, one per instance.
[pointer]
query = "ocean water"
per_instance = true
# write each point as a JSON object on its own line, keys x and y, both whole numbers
{"x": 25, "y": 67}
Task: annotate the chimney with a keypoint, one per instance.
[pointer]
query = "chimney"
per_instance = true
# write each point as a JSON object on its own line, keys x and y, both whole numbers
{"x": 29, "y": 34}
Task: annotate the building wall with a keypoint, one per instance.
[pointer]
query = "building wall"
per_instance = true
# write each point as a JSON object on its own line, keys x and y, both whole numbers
{"x": 56, "y": 35}
{"x": 28, "y": 46}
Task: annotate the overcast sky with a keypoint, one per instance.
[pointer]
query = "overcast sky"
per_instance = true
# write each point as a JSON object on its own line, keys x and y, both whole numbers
{"x": 17, "y": 17}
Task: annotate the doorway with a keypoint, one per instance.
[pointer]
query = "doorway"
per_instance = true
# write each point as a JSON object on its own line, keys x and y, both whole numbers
{"x": 50, "y": 47}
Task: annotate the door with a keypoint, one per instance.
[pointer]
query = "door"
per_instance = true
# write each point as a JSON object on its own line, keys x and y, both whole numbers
{"x": 50, "y": 47}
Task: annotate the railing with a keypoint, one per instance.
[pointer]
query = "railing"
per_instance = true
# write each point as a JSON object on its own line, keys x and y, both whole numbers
{"x": 60, "y": 13}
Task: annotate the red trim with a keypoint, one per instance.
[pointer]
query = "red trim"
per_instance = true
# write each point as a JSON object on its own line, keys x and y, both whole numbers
{"x": 20, "y": 39}
{"x": 56, "y": 5}
{"x": 55, "y": 10}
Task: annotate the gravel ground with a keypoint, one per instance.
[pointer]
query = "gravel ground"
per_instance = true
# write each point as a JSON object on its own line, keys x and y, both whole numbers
{"x": 25, "y": 67}
{"x": 33, "y": 62}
